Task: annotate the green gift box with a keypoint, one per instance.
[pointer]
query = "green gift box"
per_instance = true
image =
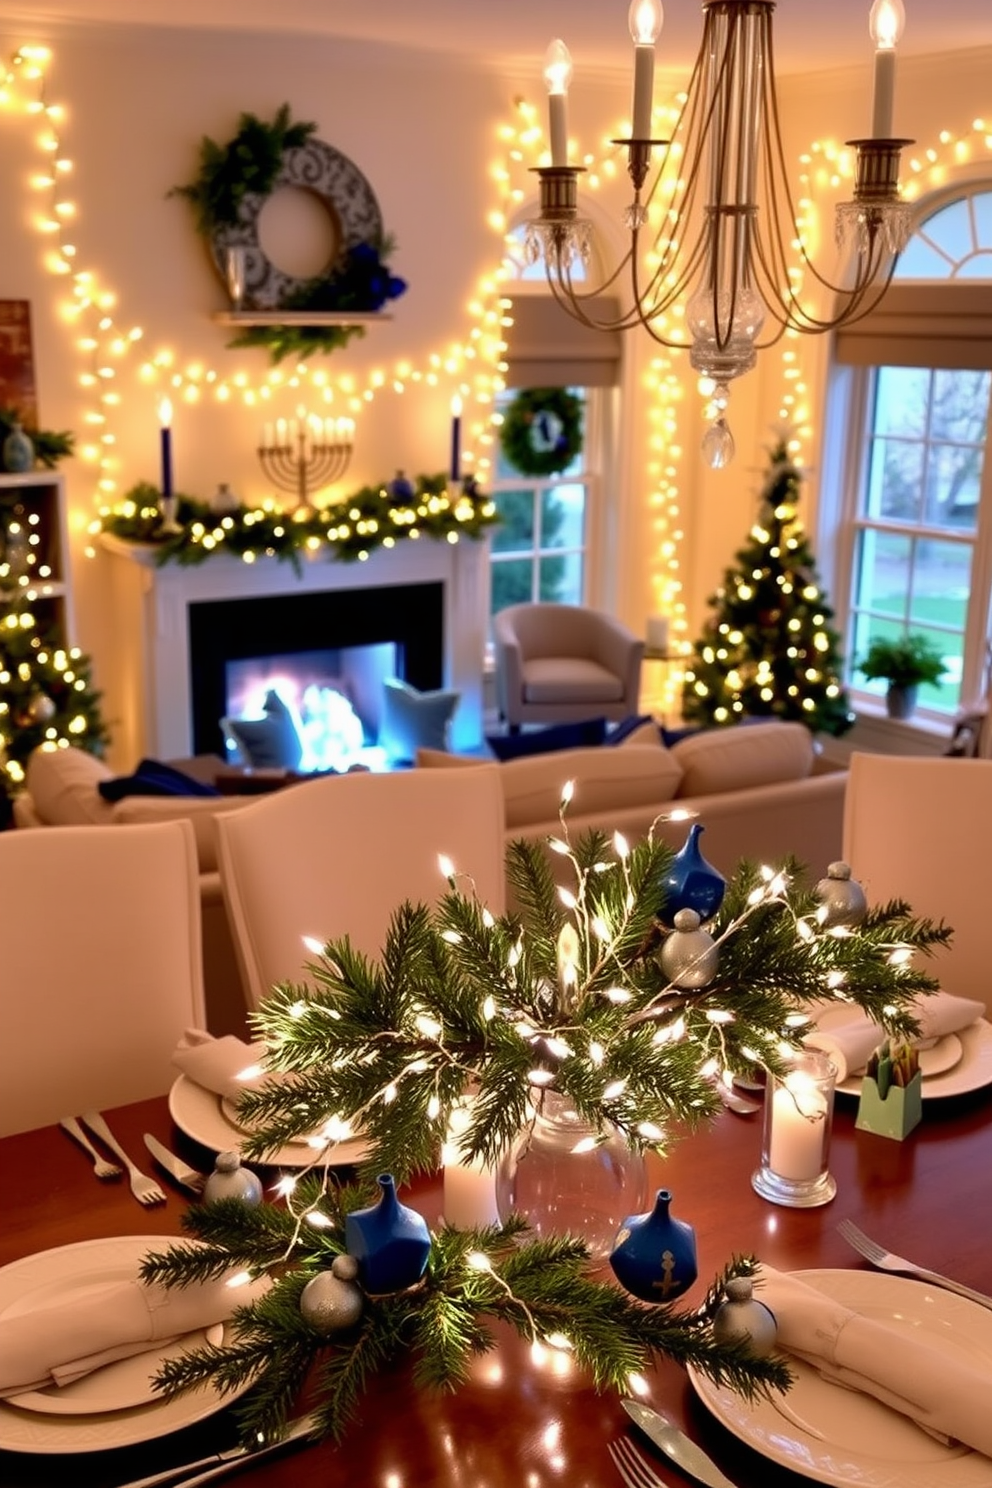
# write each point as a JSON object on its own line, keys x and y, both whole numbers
{"x": 894, "y": 1114}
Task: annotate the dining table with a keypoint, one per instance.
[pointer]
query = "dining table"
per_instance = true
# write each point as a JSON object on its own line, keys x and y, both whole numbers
{"x": 522, "y": 1421}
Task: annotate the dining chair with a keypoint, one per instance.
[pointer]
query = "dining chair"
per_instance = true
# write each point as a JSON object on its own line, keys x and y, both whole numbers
{"x": 100, "y": 966}
{"x": 337, "y": 855}
{"x": 917, "y": 828}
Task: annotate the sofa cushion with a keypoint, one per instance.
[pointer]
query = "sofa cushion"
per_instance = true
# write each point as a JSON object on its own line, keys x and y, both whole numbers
{"x": 736, "y": 758}
{"x": 153, "y": 778}
{"x": 201, "y": 811}
{"x": 647, "y": 732}
{"x": 640, "y": 727}
{"x": 604, "y": 780}
{"x": 569, "y": 679}
{"x": 586, "y": 734}
{"x": 413, "y": 720}
{"x": 63, "y": 784}
{"x": 270, "y": 742}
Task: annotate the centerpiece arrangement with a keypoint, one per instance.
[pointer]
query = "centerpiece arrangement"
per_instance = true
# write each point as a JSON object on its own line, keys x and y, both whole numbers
{"x": 606, "y": 996}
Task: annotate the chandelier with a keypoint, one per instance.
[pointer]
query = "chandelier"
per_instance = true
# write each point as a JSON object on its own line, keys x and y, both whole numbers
{"x": 728, "y": 241}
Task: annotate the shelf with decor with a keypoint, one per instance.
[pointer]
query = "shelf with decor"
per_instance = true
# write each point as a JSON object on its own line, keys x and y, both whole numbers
{"x": 34, "y": 548}
{"x": 295, "y": 317}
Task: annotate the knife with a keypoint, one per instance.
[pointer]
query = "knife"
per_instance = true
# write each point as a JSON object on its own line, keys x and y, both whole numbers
{"x": 221, "y": 1462}
{"x": 676, "y": 1445}
{"x": 174, "y": 1166}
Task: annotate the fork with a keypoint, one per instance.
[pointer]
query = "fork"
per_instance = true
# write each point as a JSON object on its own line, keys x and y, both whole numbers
{"x": 101, "y": 1167}
{"x": 145, "y": 1189}
{"x": 631, "y": 1466}
{"x": 885, "y": 1260}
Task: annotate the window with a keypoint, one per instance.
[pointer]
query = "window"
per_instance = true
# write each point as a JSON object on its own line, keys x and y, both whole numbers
{"x": 910, "y": 405}
{"x": 539, "y": 550}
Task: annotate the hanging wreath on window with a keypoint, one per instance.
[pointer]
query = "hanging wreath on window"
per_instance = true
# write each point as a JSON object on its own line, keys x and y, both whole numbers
{"x": 233, "y": 185}
{"x": 541, "y": 432}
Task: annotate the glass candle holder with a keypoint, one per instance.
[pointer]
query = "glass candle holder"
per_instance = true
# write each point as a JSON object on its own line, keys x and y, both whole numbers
{"x": 795, "y": 1142}
{"x": 234, "y": 268}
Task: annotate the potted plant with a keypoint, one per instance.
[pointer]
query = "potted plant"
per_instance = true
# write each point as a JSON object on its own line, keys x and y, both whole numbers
{"x": 905, "y": 662}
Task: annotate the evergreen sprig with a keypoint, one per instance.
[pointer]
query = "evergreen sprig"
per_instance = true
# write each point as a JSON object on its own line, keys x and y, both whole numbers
{"x": 564, "y": 999}
{"x": 249, "y": 162}
{"x": 360, "y": 524}
{"x": 540, "y": 1288}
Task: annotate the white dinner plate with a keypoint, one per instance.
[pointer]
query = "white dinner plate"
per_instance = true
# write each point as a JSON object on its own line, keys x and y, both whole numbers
{"x": 114, "y": 1406}
{"x": 200, "y": 1114}
{"x": 971, "y": 1071}
{"x": 849, "y": 1440}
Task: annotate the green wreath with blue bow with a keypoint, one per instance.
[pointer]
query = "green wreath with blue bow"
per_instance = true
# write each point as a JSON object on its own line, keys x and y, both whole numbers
{"x": 541, "y": 433}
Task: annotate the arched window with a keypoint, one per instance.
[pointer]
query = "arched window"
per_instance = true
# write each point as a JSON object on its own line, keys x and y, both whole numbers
{"x": 905, "y": 454}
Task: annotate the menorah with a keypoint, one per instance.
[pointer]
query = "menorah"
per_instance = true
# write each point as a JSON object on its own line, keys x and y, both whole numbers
{"x": 304, "y": 454}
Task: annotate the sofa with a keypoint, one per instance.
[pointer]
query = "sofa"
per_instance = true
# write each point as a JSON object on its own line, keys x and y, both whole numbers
{"x": 761, "y": 793}
{"x": 62, "y": 790}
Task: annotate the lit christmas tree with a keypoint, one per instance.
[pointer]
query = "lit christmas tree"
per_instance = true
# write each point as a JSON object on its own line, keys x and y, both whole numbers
{"x": 768, "y": 649}
{"x": 45, "y": 698}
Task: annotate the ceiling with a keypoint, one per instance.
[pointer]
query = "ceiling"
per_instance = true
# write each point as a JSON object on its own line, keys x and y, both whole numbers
{"x": 810, "y": 35}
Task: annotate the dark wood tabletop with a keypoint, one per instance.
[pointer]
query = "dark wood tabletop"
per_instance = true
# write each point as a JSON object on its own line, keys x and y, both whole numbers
{"x": 518, "y": 1424}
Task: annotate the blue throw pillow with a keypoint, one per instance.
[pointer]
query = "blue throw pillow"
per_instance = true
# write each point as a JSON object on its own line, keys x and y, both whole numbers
{"x": 628, "y": 726}
{"x": 587, "y": 734}
{"x": 413, "y": 720}
{"x": 153, "y": 778}
{"x": 270, "y": 742}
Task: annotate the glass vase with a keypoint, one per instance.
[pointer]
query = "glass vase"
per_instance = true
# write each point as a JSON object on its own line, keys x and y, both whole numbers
{"x": 564, "y": 1177}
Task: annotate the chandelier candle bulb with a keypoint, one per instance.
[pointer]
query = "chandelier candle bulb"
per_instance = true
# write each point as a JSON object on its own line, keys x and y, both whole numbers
{"x": 645, "y": 18}
{"x": 885, "y": 22}
{"x": 165, "y": 439}
{"x": 557, "y": 76}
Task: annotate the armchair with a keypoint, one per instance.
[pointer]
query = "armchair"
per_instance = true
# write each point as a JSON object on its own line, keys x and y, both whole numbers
{"x": 558, "y": 663}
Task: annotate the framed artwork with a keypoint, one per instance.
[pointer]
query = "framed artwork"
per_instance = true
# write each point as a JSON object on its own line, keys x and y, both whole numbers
{"x": 17, "y": 384}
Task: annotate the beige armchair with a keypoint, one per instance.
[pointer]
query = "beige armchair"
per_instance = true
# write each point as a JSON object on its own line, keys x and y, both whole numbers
{"x": 558, "y": 663}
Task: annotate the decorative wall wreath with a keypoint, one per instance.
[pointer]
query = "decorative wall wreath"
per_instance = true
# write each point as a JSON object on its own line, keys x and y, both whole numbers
{"x": 541, "y": 433}
{"x": 233, "y": 185}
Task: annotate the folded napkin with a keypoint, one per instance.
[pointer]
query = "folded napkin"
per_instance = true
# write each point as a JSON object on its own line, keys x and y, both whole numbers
{"x": 901, "y": 1367}
{"x": 217, "y": 1063}
{"x": 61, "y": 1341}
{"x": 849, "y": 1044}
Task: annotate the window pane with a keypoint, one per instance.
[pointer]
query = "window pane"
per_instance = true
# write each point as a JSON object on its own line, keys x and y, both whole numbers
{"x": 950, "y": 229}
{"x": 883, "y": 570}
{"x": 561, "y": 578}
{"x": 981, "y": 205}
{"x": 901, "y": 400}
{"x": 895, "y": 480}
{"x": 958, "y": 417}
{"x": 919, "y": 260}
{"x": 511, "y": 583}
{"x": 515, "y": 533}
{"x": 941, "y": 584}
{"x": 563, "y": 517}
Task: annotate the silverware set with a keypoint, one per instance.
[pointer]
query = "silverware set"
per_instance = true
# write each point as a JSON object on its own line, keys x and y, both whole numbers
{"x": 145, "y": 1189}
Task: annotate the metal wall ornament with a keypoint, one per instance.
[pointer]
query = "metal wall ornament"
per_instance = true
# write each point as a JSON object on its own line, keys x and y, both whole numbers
{"x": 345, "y": 194}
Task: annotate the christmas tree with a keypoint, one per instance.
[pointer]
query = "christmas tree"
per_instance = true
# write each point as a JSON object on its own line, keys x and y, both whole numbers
{"x": 45, "y": 697}
{"x": 768, "y": 649}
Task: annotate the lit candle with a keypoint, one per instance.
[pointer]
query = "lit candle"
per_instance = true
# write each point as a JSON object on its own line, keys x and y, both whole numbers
{"x": 469, "y": 1186}
{"x": 557, "y": 76}
{"x": 280, "y": 431}
{"x": 456, "y": 439}
{"x": 799, "y": 1120}
{"x": 885, "y": 22}
{"x": 165, "y": 419}
{"x": 645, "y": 19}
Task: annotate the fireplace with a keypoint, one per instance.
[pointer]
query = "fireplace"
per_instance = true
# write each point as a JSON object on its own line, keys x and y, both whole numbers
{"x": 177, "y": 627}
{"x": 352, "y": 636}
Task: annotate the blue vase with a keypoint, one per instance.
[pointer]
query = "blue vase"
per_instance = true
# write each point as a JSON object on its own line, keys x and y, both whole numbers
{"x": 18, "y": 452}
{"x": 390, "y": 1242}
{"x": 691, "y": 882}
{"x": 654, "y": 1255}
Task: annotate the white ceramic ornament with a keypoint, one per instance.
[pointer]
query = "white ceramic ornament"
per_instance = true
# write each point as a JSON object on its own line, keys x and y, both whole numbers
{"x": 842, "y": 899}
{"x": 689, "y": 955}
{"x": 743, "y": 1319}
{"x": 332, "y": 1301}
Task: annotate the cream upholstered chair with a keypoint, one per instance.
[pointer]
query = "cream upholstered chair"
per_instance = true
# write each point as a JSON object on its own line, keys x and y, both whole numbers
{"x": 101, "y": 966}
{"x": 337, "y": 855}
{"x": 558, "y": 663}
{"x": 917, "y": 828}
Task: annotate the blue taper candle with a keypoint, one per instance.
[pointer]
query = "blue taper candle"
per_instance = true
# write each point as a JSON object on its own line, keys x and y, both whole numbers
{"x": 165, "y": 416}
{"x": 456, "y": 438}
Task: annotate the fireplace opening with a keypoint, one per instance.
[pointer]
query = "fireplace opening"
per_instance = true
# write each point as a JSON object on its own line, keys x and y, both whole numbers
{"x": 327, "y": 654}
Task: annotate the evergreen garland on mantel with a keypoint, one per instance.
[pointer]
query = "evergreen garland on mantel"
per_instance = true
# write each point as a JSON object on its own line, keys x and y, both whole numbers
{"x": 349, "y": 530}
{"x": 569, "y": 995}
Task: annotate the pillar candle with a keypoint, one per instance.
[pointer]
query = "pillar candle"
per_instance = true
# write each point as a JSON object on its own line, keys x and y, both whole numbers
{"x": 165, "y": 439}
{"x": 456, "y": 437}
{"x": 798, "y": 1137}
{"x": 469, "y": 1186}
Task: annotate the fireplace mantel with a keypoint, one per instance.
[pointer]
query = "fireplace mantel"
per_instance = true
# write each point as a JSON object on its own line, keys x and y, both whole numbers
{"x": 149, "y": 694}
